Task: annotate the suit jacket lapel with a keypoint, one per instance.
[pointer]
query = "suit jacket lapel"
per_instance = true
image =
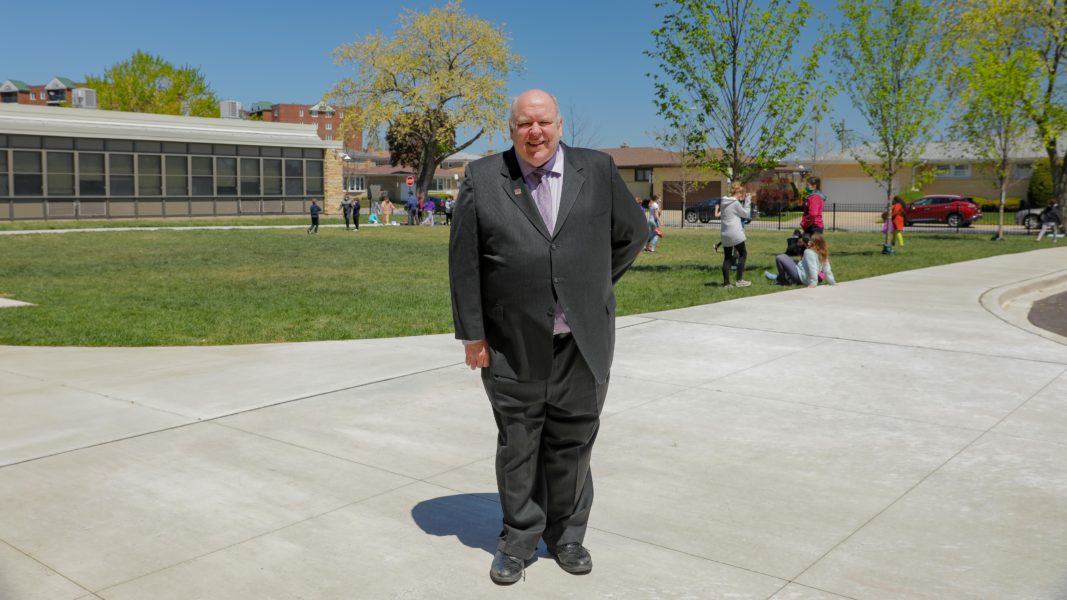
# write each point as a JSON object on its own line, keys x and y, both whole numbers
{"x": 515, "y": 188}
{"x": 572, "y": 186}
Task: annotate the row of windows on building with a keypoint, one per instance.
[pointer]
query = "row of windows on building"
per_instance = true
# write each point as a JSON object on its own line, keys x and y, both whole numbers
{"x": 358, "y": 183}
{"x": 50, "y": 95}
{"x": 315, "y": 114}
{"x": 1021, "y": 170}
{"x": 129, "y": 168}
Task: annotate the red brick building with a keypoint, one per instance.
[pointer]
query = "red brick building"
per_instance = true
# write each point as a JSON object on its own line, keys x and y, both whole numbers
{"x": 327, "y": 118}
{"x": 53, "y": 93}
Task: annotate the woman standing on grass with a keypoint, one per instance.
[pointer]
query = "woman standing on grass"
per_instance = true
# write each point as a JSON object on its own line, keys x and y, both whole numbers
{"x": 816, "y": 262}
{"x": 812, "y": 222}
{"x": 736, "y": 206}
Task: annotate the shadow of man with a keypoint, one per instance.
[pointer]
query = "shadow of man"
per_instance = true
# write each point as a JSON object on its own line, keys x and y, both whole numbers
{"x": 475, "y": 519}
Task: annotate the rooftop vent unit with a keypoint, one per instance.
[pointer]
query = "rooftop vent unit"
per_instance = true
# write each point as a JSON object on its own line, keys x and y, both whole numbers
{"x": 84, "y": 98}
{"x": 230, "y": 109}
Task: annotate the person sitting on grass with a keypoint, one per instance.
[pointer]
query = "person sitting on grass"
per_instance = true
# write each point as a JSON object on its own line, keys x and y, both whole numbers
{"x": 816, "y": 262}
{"x": 788, "y": 272}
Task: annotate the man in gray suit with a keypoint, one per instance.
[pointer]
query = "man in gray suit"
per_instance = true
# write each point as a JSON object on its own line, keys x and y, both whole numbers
{"x": 540, "y": 234}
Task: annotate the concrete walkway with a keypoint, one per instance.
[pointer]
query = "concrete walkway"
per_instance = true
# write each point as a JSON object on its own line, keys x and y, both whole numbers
{"x": 895, "y": 437}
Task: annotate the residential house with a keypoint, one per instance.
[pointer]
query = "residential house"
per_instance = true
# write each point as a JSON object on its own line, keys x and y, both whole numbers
{"x": 369, "y": 175}
{"x": 649, "y": 170}
{"x": 954, "y": 172}
{"x": 54, "y": 93}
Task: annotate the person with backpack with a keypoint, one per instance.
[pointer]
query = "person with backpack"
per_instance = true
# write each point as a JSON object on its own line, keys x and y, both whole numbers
{"x": 812, "y": 221}
{"x": 1050, "y": 221}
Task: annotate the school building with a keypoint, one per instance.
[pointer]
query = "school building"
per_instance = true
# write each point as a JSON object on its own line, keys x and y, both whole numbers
{"x": 69, "y": 163}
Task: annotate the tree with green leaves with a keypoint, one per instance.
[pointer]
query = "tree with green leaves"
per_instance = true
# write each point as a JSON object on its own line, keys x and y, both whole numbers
{"x": 406, "y": 142}
{"x": 1046, "y": 37}
{"x": 442, "y": 71}
{"x": 726, "y": 68}
{"x": 886, "y": 57}
{"x": 992, "y": 75}
{"x": 149, "y": 84}
{"x": 1039, "y": 189}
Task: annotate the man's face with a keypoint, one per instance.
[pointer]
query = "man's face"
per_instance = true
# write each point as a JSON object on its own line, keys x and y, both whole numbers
{"x": 537, "y": 127}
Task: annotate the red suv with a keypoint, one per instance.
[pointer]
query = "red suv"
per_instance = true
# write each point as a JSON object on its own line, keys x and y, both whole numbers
{"x": 954, "y": 211}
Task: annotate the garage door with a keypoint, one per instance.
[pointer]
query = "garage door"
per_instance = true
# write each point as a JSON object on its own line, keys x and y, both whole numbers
{"x": 854, "y": 191}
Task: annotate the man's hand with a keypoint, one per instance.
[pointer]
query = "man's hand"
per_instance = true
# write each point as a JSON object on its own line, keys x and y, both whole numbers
{"x": 477, "y": 354}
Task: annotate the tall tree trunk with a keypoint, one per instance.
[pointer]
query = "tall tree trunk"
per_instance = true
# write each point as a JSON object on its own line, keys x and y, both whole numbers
{"x": 1000, "y": 216}
{"x": 427, "y": 167}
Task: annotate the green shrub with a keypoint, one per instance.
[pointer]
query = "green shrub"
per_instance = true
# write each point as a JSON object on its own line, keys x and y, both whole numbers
{"x": 1039, "y": 193}
{"x": 993, "y": 204}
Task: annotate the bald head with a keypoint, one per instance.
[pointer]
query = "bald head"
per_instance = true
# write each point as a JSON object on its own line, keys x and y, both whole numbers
{"x": 536, "y": 126}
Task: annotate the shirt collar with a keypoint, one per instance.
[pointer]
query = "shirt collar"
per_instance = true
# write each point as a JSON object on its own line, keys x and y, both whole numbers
{"x": 553, "y": 165}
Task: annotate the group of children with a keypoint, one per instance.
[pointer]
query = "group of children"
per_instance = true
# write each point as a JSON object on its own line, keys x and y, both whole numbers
{"x": 814, "y": 264}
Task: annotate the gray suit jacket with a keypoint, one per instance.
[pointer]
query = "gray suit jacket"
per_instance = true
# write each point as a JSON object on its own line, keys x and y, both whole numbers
{"x": 507, "y": 270}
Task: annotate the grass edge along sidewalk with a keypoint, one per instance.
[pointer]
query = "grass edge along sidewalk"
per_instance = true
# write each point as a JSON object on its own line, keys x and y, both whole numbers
{"x": 152, "y": 288}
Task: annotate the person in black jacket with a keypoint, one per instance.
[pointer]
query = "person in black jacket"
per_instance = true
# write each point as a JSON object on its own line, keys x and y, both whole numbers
{"x": 1050, "y": 221}
{"x": 540, "y": 234}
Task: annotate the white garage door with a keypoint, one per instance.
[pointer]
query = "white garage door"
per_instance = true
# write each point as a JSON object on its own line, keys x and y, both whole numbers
{"x": 854, "y": 191}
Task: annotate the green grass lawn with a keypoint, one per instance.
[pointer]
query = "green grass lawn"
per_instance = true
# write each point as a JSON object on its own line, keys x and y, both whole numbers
{"x": 147, "y": 288}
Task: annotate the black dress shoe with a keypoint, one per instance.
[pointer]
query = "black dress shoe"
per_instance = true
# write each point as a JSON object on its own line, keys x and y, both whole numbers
{"x": 506, "y": 569}
{"x": 574, "y": 558}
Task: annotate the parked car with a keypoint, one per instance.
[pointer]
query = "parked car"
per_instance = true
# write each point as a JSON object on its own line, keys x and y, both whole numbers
{"x": 954, "y": 211}
{"x": 703, "y": 212}
{"x": 1029, "y": 218}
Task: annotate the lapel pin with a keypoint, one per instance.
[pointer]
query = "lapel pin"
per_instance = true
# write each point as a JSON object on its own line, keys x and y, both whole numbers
{"x": 518, "y": 191}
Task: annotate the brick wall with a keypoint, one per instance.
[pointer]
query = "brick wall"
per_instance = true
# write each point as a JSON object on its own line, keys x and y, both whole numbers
{"x": 333, "y": 182}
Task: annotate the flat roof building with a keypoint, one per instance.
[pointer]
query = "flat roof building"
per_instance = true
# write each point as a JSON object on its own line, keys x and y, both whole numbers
{"x": 82, "y": 163}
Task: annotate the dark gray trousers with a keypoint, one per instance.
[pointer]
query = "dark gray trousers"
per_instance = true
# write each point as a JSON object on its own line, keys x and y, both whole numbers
{"x": 545, "y": 435}
{"x": 788, "y": 273}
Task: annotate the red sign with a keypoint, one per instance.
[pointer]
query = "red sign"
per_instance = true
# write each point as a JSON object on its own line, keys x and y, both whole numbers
{"x": 411, "y": 180}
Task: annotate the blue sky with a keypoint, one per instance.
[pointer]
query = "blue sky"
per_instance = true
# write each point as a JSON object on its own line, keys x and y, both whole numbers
{"x": 588, "y": 52}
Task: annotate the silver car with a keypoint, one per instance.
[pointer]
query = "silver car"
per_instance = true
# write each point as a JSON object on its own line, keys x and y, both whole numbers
{"x": 1029, "y": 218}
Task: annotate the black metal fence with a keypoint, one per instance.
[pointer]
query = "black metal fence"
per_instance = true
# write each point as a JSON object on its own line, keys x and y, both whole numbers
{"x": 860, "y": 218}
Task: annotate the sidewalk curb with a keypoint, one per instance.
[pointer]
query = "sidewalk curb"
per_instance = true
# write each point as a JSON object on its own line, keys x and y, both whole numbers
{"x": 1011, "y": 303}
